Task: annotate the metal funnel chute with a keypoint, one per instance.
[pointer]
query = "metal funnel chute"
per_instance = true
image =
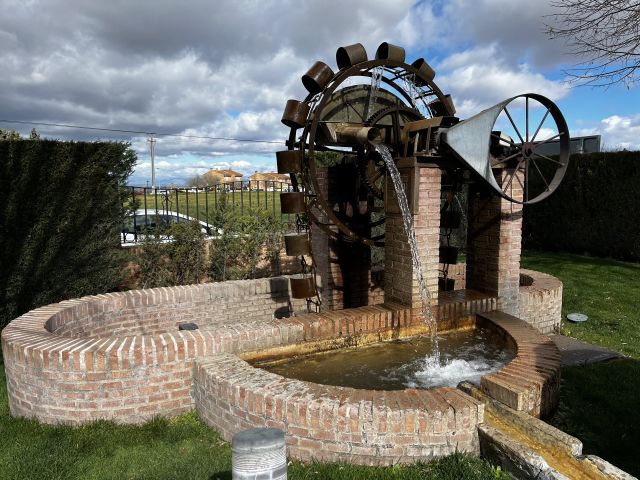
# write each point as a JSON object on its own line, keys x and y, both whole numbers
{"x": 470, "y": 141}
{"x": 484, "y": 150}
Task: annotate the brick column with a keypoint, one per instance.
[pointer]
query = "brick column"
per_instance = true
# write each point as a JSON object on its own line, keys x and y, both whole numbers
{"x": 494, "y": 243}
{"x": 344, "y": 268}
{"x": 422, "y": 184}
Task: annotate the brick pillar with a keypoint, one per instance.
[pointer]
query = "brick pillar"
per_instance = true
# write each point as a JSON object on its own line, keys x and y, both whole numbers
{"x": 494, "y": 244}
{"x": 321, "y": 251}
{"x": 422, "y": 184}
{"x": 344, "y": 268}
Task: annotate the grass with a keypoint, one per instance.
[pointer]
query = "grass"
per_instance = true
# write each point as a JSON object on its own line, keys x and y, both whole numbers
{"x": 599, "y": 405}
{"x": 177, "y": 448}
{"x": 608, "y": 292}
{"x": 186, "y": 203}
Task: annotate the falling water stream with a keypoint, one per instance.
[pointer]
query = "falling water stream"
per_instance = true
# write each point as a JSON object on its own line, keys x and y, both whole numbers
{"x": 407, "y": 222}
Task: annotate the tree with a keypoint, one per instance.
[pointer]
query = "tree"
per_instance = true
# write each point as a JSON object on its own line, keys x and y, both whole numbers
{"x": 9, "y": 135}
{"x": 207, "y": 179}
{"x": 605, "y": 35}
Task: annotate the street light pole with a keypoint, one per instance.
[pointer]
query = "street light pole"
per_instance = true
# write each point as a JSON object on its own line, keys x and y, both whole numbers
{"x": 152, "y": 142}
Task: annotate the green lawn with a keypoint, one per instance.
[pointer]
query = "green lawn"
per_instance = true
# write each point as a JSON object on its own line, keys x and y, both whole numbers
{"x": 599, "y": 405}
{"x": 605, "y": 290}
{"x": 199, "y": 206}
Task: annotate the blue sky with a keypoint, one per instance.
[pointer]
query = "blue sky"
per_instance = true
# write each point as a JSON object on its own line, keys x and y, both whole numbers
{"x": 226, "y": 68}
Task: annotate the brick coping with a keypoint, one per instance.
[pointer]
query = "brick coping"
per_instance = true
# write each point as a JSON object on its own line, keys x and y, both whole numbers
{"x": 131, "y": 378}
{"x": 531, "y": 381}
{"x": 334, "y": 424}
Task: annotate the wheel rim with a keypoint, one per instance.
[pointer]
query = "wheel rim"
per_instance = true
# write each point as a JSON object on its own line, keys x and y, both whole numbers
{"x": 519, "y": 157}
{"x": 421, "y": 93}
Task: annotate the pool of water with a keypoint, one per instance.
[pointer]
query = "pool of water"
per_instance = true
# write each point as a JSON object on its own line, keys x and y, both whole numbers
{"x": 408, "y": 363}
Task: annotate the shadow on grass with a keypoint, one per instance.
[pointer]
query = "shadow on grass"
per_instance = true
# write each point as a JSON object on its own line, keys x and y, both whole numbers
{"x": 606, "y": 290}
{"x": 554, "y": 260}
{"x": 599, "y": 405}
{"x": 226, "y": 475}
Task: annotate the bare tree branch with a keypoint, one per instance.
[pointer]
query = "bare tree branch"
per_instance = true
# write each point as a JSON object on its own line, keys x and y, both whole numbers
{"x": 604, "y": 34}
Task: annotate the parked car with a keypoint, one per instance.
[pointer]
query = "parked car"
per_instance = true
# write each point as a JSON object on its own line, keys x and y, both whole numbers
{"x": 137, "y": 225}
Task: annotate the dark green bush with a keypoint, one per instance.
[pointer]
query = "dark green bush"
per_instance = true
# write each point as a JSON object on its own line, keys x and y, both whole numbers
{"x": 60, "y": 220}
{"x": 173, "y": 256}
{"x": 242, "y": 240}
{"x": 596, "y": 209}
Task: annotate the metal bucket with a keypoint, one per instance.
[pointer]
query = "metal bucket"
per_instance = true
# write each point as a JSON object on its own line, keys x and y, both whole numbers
{"x": 302, "y": 286}
{"x": 386, "y": 51}
{"x": 350, "y": 55}
{"x": 259, "y": 453}
{"x": 446, "y": 286}
{"x": 317, "y": 77}
{"x": 450, "y": 220}
{"x": 439, "y": 109}
{"x": 292, "y": 202}
{"x": 289, "y": 161}
{"x": 295, "y": 114}
{"x": 297, "y": 244}
{"x": 448, "y": 255}
{"x": 425, "y": 72}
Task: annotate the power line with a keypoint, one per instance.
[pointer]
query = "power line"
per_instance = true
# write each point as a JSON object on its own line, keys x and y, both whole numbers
{"x": 140, "y": 132}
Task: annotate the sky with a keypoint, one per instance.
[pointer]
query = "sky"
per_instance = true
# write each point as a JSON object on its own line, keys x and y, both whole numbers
{"x": 225, "y": 68}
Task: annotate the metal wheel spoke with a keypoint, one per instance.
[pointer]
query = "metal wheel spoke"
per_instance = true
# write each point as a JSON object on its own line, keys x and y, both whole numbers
{"x": 526, "y": 182}
{"x": 512, "y": 175}
{"x": 505, "y": 140}
{"x": 499, "y": 161}
{"x": 540, "y": 173}
{"x": 547, "y": 158}
{"x": 377, "y": 175}
{"x": 548, "y": 139}
{"x": 540, "y": 126}
{"x": 513, "y": 124}
{"x": 526, "y": 117}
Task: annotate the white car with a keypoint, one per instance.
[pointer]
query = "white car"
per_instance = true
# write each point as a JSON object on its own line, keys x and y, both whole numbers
{"x": 136, "y": 225}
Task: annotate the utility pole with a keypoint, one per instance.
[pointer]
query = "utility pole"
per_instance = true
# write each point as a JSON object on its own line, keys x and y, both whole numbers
{"x": 152, "y": 143}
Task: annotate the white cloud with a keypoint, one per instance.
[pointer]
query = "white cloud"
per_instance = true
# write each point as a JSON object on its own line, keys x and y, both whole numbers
{"x": 621, "y": 132}
{"x": 226, "y": 68}
{"x": 617, "y": 132}
{"x": 480, "y": 77}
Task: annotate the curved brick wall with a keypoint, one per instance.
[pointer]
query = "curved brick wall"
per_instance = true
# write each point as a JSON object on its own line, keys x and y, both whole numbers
{"x": 329, "y": 423}
{"x": 120, "y": 356}
{"x": 540, "y": 304}
{"x": 531, "y": 381}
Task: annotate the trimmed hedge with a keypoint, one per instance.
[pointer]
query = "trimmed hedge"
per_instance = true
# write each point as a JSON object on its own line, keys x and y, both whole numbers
{"x": 60, "y": 219}
{"x": 596, "y": 209}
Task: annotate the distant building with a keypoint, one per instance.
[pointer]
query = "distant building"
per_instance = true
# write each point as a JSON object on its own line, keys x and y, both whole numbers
{"x": 270, "y": 181}
{"x": 578, "y": 145}
{"x": 229, "y": 177}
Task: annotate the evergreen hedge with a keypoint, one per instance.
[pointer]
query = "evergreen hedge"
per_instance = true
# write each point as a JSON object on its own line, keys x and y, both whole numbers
{"x": 60, "y": 219}
{"x": 596, "y": 209}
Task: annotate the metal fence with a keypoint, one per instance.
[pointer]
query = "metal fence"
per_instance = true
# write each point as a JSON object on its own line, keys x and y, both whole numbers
{"x": 147, "y": 206}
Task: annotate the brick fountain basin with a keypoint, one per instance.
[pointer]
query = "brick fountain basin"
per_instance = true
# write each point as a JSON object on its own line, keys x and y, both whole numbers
{"x": 121, "y": 357}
